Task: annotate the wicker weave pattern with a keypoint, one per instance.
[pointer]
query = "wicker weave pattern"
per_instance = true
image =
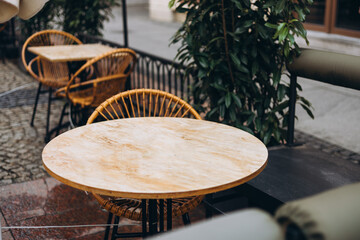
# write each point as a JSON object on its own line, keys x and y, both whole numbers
{"x": 143, "y": 103}
{"x": 107, "y": 78}
{"x": 51, "y": 74}
{"x": 131, "y": 208}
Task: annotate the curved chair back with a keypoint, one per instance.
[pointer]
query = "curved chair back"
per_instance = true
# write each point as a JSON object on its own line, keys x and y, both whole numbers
{"x": 108, "y": 74}
{"x": 51, "y": 74}
{"x": 143, "y": 103}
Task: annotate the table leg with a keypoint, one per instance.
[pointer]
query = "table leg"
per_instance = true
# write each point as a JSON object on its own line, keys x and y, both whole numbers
{"x": 153, "y": 216}
{"x": 144, "y": 218}
{"x": 161, "y": 210}
{"x": 169, "y": 214}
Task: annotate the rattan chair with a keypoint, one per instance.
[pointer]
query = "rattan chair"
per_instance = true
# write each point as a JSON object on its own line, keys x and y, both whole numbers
{"x": 109, "y": 73}
{"x": 52, "y": 75}
{"x": 142, "y": 103}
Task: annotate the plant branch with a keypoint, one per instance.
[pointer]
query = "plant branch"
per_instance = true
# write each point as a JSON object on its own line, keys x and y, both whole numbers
{"x": 226, "y": 42}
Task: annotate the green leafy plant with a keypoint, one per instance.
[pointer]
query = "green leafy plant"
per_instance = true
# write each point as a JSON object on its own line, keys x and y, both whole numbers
{"x": 86, "y": 16}
{"x": 237, "y": 51}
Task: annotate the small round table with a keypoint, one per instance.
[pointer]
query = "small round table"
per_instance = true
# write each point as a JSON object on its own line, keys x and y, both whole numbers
{"x": 155, "y": 157}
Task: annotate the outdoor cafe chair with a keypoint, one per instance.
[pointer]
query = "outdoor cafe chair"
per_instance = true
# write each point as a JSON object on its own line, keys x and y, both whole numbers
{"x": 52, "y": 75}
{"x": 108, "y": 76}
{"x": 142, "y": 103}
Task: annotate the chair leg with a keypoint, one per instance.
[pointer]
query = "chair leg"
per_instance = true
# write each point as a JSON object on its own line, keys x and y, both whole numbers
{"x": 47, "y": 137}
{"x": 35, "y": 105}
{"x": 107, "y": 230}
{"x": 186, "y": 219}
{"x": 115, "y": 227}
{"x": 61, "y": 119}
{"x": 144, "y": 218}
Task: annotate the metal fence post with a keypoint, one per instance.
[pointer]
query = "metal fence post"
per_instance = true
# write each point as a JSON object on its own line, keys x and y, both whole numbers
{"x": 292, "y": 103}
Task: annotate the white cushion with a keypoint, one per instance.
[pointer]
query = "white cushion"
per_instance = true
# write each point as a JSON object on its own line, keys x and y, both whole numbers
{"x": 246, "y": 224}
{"x": 333, "y": 215}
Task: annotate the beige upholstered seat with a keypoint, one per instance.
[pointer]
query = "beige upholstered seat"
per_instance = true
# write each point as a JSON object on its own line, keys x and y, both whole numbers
{"x": 330, "y": 215}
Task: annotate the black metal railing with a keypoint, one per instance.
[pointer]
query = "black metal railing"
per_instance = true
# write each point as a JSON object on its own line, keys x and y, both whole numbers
{"x": 153, "y": 71}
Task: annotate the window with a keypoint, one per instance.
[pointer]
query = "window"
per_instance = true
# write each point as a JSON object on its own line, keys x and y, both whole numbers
{"x": 335, "y": 16}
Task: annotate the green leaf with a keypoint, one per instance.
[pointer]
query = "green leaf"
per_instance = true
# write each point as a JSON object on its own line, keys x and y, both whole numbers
{"x": 270, "y": 25}
{"x": 203, "y": 62}
{"x": 258, "y": 124}
{"x": 308, "y": 110}
{"x": 286, "y": 49}
{"x": 276, "y": 77}
{"x": 218, "y": 87}
{"x": 250, "y": 119}
{"x": 283, "y": 34}
{"x": 267, "y": 137}
{"x": 240, "y": 30}
{"x": 305, "y": 101}
{"x": 244, "y": 59}
{"x": 232, "y": 114}
{"x": 222, "y": 110}
{"x": 237, "y": 4}
{"x": 254, "y": 68}
{"x": 300, "y": 13}
{"x": 202, "y": 73}
{"x": 237, "y": 100}
{"x": 280, "y": 6}
{"x": 281, "y": 92}
{"x": 235, "y": 59}
{"x": 171, "y": 3}
{"x": 214, "y": 40}
{"x": 247, "y": 23}
{"x": 277, "y": 135}
{"x": 228, "y": 100}
{"x": 300, "y": 29}
{"x": 211, "y": 113}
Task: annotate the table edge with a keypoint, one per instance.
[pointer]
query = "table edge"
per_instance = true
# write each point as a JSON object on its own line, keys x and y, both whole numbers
{"x": 170, "y": 195}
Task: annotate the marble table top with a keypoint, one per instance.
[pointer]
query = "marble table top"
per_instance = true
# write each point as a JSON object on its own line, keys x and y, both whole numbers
{"x": 64, "y": 53}
{"x": 154, "y": 158}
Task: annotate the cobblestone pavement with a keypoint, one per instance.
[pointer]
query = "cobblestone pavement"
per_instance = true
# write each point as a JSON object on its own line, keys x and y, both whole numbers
{"x": 21, "y": 145}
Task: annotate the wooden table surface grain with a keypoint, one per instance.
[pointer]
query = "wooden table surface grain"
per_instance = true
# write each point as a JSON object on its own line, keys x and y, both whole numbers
{"x": 65, "y": 53}
{"x": 154, "y": 158}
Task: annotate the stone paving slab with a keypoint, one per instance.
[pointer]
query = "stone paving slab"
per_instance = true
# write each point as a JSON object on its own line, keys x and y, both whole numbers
{"x": 21, "y": 97}
{"x": 47, "y": 202}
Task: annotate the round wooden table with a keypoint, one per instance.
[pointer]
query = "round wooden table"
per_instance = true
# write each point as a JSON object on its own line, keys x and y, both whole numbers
{"x": 154, "y": 158}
